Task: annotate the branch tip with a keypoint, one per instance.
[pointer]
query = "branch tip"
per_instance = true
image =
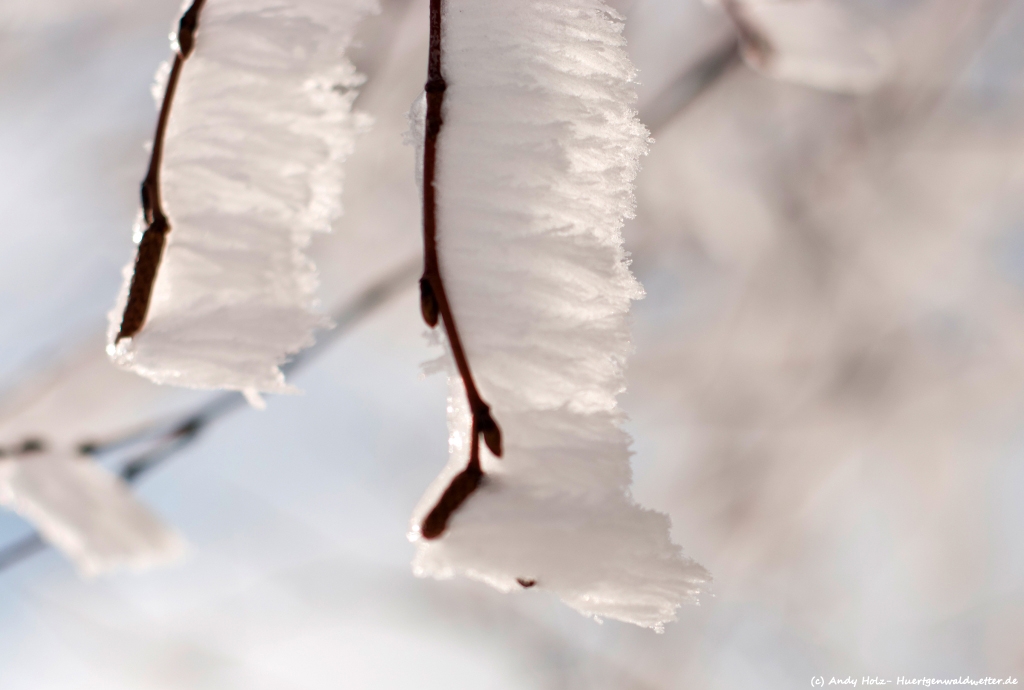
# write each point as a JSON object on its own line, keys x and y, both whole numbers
{"x": 187, "y": 28}
{"x": 463, "y": 485}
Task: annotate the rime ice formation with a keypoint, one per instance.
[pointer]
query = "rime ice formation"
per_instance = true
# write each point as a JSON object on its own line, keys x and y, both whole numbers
{"x": 258, "y": 131}
{"x": 86, "y": 512}
{"x": 536, "y": 161}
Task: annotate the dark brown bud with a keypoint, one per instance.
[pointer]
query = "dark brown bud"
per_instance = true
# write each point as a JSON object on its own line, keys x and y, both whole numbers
{"x": 187, "y": 28}
{"x": 464, "y": 484}
{"x": 147, "y": 261}
{"x": 148, "y": 199}
{"x": 490, "y": 431}
{"x": 32, "y": 445}
{"x": 428, "y": 303}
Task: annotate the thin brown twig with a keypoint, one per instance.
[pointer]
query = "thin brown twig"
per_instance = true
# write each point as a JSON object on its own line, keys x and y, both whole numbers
{"x": 170, "y": 437}
{"x": 434, "y": 301}
{"x": 151, "y": 246}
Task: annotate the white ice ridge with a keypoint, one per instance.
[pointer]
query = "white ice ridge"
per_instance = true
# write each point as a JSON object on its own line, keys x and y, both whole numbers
{"x": 87, "y": 513}
{"x": 536, "y": 161}
{"x": 260, "y": 127}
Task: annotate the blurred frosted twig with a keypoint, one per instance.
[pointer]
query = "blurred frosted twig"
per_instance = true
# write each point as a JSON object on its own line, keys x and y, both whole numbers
{"x": 27, "y": 546}
{"x": 690, "y": 84}
{"x": 752, "y": 42}
{"x": 170, "y": 437}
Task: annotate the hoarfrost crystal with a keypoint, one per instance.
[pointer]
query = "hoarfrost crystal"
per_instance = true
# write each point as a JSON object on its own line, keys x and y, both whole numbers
{"x": 258, "y": 131}
{"x": 536, "y": 161}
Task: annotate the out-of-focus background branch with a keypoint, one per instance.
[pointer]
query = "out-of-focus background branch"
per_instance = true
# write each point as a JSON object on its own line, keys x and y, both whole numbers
{"x": 825, "y": 394}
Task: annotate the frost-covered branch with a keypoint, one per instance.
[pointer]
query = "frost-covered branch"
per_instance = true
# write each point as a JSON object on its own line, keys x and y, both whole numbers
{"x": 533, "y": 179}
{"x": 756, "y": 47}
{"x": 434, "y": 299}
{"x": 151, "y": 246}
{"x": 84, "y": 510}
{"x": 247, "y": 167}
{"x": 166, "y": 438}
{"x": 817, "y": 43}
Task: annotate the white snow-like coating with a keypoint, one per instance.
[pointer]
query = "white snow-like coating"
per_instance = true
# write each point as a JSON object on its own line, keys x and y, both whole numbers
{"x": 536, "y": 161}
{"x": 259, "y": 129}
{"x": 87, "y": 513}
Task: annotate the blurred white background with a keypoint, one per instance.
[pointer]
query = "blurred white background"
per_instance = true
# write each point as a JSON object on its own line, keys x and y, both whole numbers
{"x": 826, "y": 393}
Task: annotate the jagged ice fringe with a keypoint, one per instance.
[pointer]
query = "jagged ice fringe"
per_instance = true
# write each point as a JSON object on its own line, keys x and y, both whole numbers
{"x": 259, "y": 129}
{"x": 536, "y": 161}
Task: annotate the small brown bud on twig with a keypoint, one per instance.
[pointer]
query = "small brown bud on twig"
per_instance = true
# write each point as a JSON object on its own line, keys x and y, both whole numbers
{"x": 462, "y": 486}
{"x": 428, "y": 303}
{"x": 187, "y": 28}
{"x": 147, "y": 262}
{"x": 32, "y": 445}
{"x": 492, "y": 434}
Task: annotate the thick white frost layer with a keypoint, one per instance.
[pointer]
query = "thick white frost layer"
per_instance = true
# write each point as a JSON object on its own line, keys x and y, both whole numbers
{"x": 537, "y": 156}
{"x": 259, "y": 129}
{"x": 87, "y": 513}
